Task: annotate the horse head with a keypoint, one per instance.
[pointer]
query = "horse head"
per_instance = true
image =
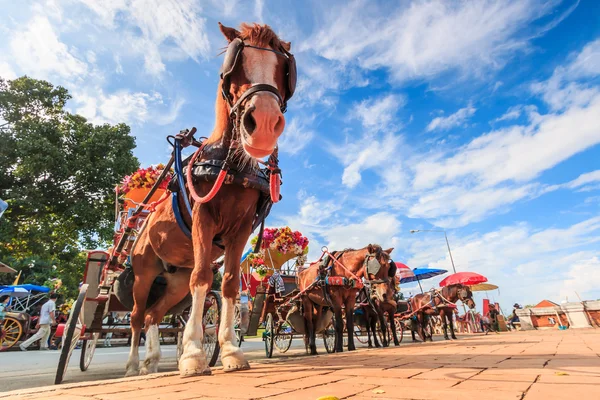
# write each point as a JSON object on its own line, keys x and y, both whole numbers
{"x": 465, "y": 295}
{"x": 258, "y": 77}
{"x": 378, "y": 269}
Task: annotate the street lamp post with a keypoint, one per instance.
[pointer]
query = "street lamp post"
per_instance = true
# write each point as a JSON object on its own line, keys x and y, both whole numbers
{"x": 447, "y": 243}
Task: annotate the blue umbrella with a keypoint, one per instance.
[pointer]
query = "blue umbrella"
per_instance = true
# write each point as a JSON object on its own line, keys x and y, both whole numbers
{"x": 421, "y": 274}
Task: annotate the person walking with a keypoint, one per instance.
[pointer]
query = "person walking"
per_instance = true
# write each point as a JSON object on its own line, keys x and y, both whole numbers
{"x": 46, "y": 320}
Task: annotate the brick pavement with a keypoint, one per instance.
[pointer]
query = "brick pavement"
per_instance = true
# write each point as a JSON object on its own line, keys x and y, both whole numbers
{"x": 525, "y": 365}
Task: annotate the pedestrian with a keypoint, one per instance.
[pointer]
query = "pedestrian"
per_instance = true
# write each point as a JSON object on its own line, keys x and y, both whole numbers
{"x": 46, "y": 320}
{"x": 3, "y": 305}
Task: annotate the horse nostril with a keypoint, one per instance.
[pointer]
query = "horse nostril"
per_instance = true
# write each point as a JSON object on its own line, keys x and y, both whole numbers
{"x": 249, "y": 121}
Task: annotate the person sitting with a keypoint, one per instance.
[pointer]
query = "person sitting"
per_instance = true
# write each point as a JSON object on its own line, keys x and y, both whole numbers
{"x": 276, "y": 284}
{"x": 514, "y": 318}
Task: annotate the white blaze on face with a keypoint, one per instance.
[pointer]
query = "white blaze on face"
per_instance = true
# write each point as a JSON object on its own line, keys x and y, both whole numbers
{"x": 260, "y": 67}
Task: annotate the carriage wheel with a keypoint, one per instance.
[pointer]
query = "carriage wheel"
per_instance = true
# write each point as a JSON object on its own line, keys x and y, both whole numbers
{"x": 87, "y": 351}
{"x": 329, "y": 337}
{"x": 360, "y": 335}
{"x": 400, "y": 327}
{"x": 212, "y": 318}
{"x": 10, "y": 333}
{"x": 269, "y": 335}
{"x": 71, "y": 334}
{"x": 283, "y": 339}
{"x": 237, "y": 320}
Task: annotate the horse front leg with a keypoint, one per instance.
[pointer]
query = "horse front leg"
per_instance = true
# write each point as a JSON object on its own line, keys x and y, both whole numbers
{"x": 392, "y": 322}
{"x": 451, "y": 321}
{"x": 383, "y": 327}
{"x": 444, "y": 324}
{"x": 232, "y": 357}
{"x": 339, "y": 329}
{"x": 350, "y": 303}
{"x": 193, "y": 359}
{"x": 421, "y": 326}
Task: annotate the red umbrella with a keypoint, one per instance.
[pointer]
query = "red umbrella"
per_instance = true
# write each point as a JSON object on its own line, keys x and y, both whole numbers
{"x": 403, "y": 271}
{"x": 466, "y": 278}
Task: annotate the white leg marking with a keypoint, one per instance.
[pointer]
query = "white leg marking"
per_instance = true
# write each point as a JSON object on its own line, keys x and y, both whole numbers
{"x": 193, "y": 359}
{"x": 133, "y": 363}
{"x": 232, "y": 356}
{"x": 152, "y": 351}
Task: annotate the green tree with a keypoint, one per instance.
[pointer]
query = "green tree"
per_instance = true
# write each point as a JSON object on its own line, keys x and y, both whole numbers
{"x": 58, "y": 173}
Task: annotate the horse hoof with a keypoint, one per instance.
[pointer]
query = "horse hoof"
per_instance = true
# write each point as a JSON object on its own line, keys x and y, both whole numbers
{"x": 132, "y": 372}
{"x": 190, "y": 367}
{"x": 146, "y": 371}
{"x": 236, "y": 367}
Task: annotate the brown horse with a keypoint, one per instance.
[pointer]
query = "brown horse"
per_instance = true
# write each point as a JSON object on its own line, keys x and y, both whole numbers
{"x": 440, "y": 302}
{"x": 257, "y": 78}
{"x": 355, "y": 265}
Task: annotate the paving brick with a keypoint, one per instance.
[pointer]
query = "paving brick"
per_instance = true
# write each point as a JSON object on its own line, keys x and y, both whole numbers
{"x": 449, "y": 373}
{"x": 307, "y": 382}
{"x": 544, "y": 391}
{"x": 334, "y": 389}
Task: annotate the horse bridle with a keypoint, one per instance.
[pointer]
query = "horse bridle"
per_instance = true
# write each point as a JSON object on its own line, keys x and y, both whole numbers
{"x": 232, "y": 59}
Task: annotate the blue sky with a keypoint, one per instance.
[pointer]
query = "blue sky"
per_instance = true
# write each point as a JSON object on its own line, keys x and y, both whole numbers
{"x": 481, "y": 118}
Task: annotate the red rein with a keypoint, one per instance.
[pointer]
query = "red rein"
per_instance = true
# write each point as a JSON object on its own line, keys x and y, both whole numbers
{"x": 274, "y": 182}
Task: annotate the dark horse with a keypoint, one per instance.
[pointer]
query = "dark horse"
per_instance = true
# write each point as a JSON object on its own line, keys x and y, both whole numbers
{"x": 370, "y": 310}
{"x": 440, "y": 302}
{"x": 370, "y": 263}
{"x": 258, "y": 77}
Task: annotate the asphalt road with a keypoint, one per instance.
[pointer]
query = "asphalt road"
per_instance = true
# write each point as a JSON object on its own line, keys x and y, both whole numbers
{"x": 20, "y": 370}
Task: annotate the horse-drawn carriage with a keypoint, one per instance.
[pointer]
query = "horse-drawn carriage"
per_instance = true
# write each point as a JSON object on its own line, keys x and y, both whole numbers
{"x": 107, "y": 287}
{"x": 18, "y": 321}
{"x": 270, "y": 278}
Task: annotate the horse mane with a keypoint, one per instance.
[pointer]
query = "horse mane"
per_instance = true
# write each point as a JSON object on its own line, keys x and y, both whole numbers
{"x": 260, "y": 35}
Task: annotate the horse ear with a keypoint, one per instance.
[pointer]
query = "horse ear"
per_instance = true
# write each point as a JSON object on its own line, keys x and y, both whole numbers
{"x": 230, "y": 33}
{"x": 370, "y": 249}
{"x": 287, "y": 46}
{"x": 389, "y": 251}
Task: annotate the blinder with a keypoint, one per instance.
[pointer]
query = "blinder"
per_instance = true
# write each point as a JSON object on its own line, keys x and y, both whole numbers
{"x": 373, "y": 265}
{"x": 232, "y": 59}
{"x": 463, "y": 294}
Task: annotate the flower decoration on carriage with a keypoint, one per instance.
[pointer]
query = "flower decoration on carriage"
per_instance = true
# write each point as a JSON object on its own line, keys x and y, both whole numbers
{"x": 257, "y": 262}
{"x": 283, "y": 241}
{"x": 143, "y": 178}
{"x": 65, "y": 308}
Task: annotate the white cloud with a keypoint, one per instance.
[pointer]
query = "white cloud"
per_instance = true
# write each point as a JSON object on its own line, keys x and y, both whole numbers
{"x": 37, "y": 51}
{"x": 453, "y": 206}
{"x": 369, "y": 152}
{"x": 6, "y": 71}
{"x": 528, "y": 264}
{"x": 452, "y": 121}
{"x": 377, "y": 113}
{"x": 296, "y": 136}
{"x": 513, "y": 112}
{"x": 567, "y": 87}
{"x": 321, "y": 222}
{"x": 258, "y": 9}
{"x": 160, "y": 23}
{"x": 584, "y": 179}
{"x": 518, "y": 153}
{"x": 172, "y": 114}
{"x": 121, "y": 106}
{"x": 424, "y": 39}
